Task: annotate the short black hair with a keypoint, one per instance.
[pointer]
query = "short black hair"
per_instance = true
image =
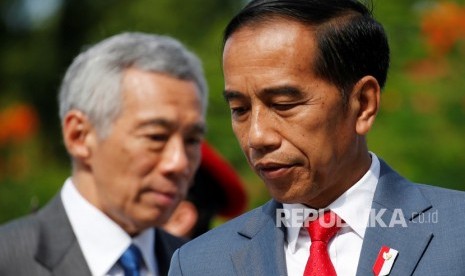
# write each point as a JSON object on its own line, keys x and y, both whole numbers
{"x": 351, "y": 43}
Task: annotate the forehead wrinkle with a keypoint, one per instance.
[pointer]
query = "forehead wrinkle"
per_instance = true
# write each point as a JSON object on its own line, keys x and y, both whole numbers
{"x": 157, "y": 122}
{"x": 197, "y": 128}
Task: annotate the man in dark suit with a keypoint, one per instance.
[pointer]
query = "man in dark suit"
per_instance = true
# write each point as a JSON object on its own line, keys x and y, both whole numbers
{"x": 303, "y": 80}
{"x": 132, "y": 109}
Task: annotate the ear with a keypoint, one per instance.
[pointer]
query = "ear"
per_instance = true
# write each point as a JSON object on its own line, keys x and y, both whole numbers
{"x": 182, "y": 221}
{"x": 366, "y": 95}
{"x": 77, "y": 134}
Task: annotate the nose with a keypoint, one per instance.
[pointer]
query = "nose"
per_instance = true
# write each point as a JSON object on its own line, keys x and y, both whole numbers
{"x": 262, "y": 133}
{"x": 175, "y": 161}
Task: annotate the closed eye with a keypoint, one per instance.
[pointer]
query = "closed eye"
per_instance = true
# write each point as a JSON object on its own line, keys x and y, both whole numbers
{"x": 195, "y": 140}
{"x": 238, "y": 111}
{"x": 284, "y": 106}
{"x": 158, "y": 137}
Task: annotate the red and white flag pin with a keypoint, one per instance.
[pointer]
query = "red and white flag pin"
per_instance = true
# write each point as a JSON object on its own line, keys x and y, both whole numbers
{"x": 384, "y": 261}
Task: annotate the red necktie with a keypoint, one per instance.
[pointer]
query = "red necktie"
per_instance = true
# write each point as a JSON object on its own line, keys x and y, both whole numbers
{"x": 321, "y": 231}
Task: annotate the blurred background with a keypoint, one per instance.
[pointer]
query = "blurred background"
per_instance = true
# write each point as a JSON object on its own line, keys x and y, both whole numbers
{"x": 420, "y": 130}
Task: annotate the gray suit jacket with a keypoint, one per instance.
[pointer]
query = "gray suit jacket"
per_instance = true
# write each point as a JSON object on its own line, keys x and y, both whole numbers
{"x": 430, "y": 243}
{"x": 44, "y": 244}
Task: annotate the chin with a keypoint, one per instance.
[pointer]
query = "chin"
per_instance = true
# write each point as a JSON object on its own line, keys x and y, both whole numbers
{"x": 288, "y": 197}
{"x": 146, "y": 224}
{"x": 279, "y": 197}
{"x": 151, "y": 218}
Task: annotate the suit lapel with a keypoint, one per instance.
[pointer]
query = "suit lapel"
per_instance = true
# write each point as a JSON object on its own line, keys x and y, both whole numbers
{"x": 396, "y": 204}
{"x": 263, "y": 254}
{"x": 58, "y": 248}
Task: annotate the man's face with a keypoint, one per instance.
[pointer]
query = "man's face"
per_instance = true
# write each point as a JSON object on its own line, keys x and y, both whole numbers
{"x": 291, "y": 125}
{"x": 143, "y": 168}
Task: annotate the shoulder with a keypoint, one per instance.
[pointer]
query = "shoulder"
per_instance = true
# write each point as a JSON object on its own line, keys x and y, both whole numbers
{"x": 435, "y": 192}
{"x": 394, "y": 189}
{"x": 19, "y": 228}
{"x": 18, "y": 240}
{"x": 233, "y": 233}
{"x": 230, "y": 242}
{"x": 21, "y": 238}
{"x": 444, "y": 217}
{"x": 448, "y": 200}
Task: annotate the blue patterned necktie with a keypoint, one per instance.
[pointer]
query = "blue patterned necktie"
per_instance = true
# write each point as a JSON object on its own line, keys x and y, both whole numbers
{"x": 131, "y": 261}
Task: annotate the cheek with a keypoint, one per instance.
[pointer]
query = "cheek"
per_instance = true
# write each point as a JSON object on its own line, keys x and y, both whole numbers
{"x": 241, "y": 132}
{"x": 183, "y": 190}
{"x": 242, "y": 136}
{"x": 194, "y": 157}
{"x": 144, "y": 167}
{"x": 143, "y": 163}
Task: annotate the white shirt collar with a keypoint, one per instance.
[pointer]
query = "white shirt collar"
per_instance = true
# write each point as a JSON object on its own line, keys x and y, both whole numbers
{"x": 101, "y": 240}
{"x": 353, "y": 206}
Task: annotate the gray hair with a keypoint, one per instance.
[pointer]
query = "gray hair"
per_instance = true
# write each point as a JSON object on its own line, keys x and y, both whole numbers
{"x": 92, "y": 84}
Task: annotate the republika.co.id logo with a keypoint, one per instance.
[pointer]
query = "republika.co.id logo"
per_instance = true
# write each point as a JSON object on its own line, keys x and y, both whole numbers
{"x": 383, "y": 217}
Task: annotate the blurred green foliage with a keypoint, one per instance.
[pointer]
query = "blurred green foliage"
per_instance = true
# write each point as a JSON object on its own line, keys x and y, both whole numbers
{"x": 420, "y": 130}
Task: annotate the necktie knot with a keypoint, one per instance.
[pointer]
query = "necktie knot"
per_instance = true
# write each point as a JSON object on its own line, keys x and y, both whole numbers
{"x": 131, "y": 261}
{"x": 324, "y": 228}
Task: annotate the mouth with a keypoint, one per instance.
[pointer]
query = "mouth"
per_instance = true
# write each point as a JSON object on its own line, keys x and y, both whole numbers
{"x": 159, "y": 198}
{"x": 272, "y": 170}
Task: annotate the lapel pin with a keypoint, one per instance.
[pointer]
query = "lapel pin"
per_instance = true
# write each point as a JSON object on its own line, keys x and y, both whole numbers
{"x": 387, "y": 256}
{"x": 384, "y": 261}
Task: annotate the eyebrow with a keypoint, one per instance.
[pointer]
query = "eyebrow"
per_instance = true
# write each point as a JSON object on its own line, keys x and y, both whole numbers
{"x": 199, "y": 128}
{"x": 231, "y": 95}
{"x": 285, "y": 90}
{"x": 196, "y": 128}
{"x": 156, "y": 122}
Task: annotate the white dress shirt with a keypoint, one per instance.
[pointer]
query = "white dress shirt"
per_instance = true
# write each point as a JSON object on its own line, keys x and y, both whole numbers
{"x": 102, "y": 241}
{"x": 344, "y": 249}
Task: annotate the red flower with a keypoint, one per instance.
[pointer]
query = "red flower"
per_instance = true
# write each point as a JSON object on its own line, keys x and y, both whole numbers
{"x": 17, "y": 123}
{"x": 443, "y": 26}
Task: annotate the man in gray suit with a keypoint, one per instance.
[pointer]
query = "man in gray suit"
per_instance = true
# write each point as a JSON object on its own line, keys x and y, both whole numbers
{"x": 303, "y": 80}
{"x": 132, "y": 109}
